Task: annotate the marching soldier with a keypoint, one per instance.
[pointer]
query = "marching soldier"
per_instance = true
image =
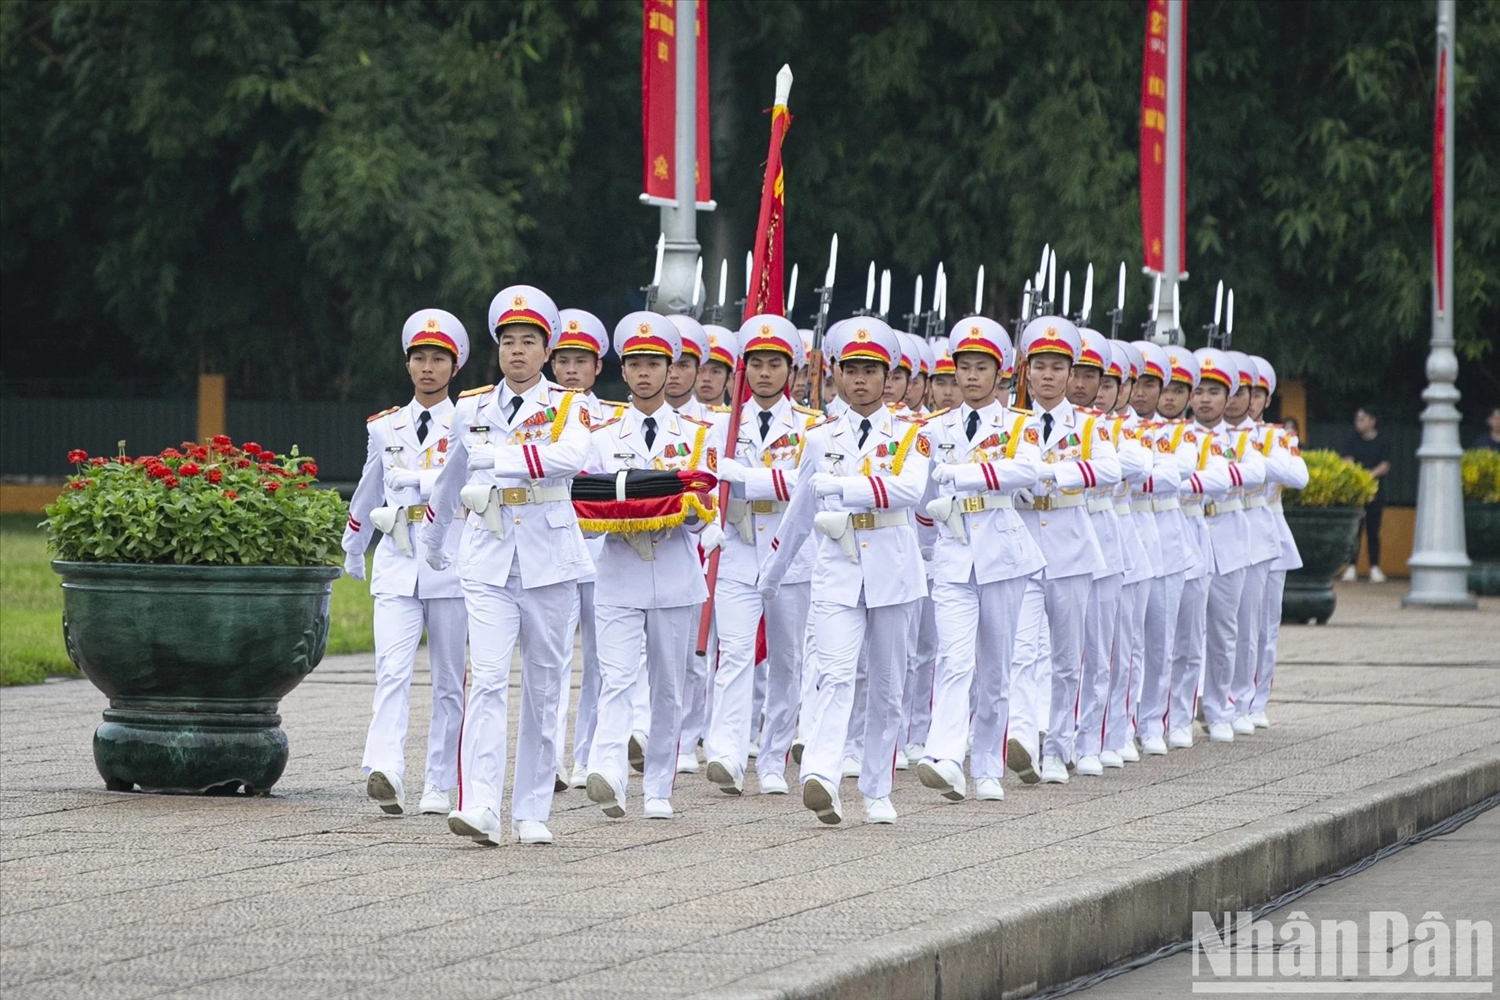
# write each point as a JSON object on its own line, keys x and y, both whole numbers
{"x": 982, "y": 556}
{"x": 649, "y": 584}
{"x": 714, "y": 374}
{"x": 683, "y": 378}
{"x": 406, "y": 451}
{"x": 513, "y": 448}
{"x": 944, "y": 382}
{"x": 861, "y": 474}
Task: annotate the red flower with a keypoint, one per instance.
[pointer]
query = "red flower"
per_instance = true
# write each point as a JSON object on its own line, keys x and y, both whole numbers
{"x": 96, "y": 462}
{"x": 221, "y": 440}
{"x": 80, "y": 484}
{"x": 77, "y": 456}
{"x": 214, "y": 475}
{"x": 268, "y": 456}
{"x": 243, "y": 463}
{"x": 170, "y": 453}
{"x": 251, "y": 448}
{"x": 170, "y": 482}
{"x": 200, "y": 453}
{"x": 301, "y": 486}
{"x": 230, "y": 495}
{"x": 188, "y": 469}
{"x": 265, "y": 467}
{"x": 156, "y": 470}
{"x": 272, "y": 487}
{"x": 309, "y": 468}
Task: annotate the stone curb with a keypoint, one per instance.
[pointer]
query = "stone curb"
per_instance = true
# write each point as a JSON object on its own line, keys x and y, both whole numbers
{"x": 1050, "y": 937}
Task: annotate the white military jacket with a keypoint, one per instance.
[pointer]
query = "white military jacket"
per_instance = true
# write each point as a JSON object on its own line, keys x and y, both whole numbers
{"x": 1117, "y": 538}
{"x": 1146, "y": 555}
{"x": 1265, "y": 526}
{"x": 393, "y": 444}
{"x": 878, "y": 554}
{"x": 757, "y": 505}
{"x": 600, "y": 411}
{"x": 528, "y": 519}
{"x": 1002, "y": 457}
{"x": 1084, "y": 458}
{"x": 673, "y": 578}
{"x": 1285, "y": 469}
{"x": 1235, "y": 545}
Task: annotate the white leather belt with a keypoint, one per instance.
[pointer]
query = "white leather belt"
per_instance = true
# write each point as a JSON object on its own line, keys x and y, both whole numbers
{"x": 1101, "y": 504}
{"x": 520, "y": 496}
{"x": 1166, "y": 504}
{"x": 878, "y": 519}
{"x": 1215, "y": 509}
{"x": 1123, "y": 507}
{"x": 739, "y": 508}
{"x": 1276, "y": 506}
{"x": 1254, "y": 503}
{"x": 1192, "y": 508}
{"x": 985, "y": 501}
{"x": 1060, "y": 501}
{"x": 1142, "y": 506}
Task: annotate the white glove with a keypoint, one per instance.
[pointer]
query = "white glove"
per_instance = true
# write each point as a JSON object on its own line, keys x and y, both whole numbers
{"x": 439, "y": 559}
{"x": 710, "y": 538}
{"x": 943, "y": 473}
{"x": 731, "y": 471}
{"x": 481, "y": 456}
{"x": 827, "y": 486}
{"x": 768, "y": 590}
{"x": 1048, "y": 473}
{"x": 354, "y": 565}
{"x": 401, "y": 479}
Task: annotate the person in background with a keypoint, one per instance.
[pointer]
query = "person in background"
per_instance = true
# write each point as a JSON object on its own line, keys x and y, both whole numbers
{"x": 1370, "y": 449}
{"x": 1490, "y": 436}
{"x": 1292, "y": 427}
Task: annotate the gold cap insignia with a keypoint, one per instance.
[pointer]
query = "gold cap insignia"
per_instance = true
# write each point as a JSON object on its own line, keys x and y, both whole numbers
{"x": 573, "y": 325}
{"x": 1051, "y": 332}
{"x": 1207, "y": 363}
{"x": 974, "y": 333}
{"x": 765, "y": 330}
{"x": 644, "y": 329}
{"x": 519, "y": 302}
{"x": 861, "y": 334}
{"x": 432, "y": 324}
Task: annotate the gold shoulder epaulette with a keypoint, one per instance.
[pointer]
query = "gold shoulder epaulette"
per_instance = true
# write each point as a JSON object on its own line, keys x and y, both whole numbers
{"x": 807, "y": 410}
{"x": 695, "y": 420}
{"x": 476, "y": 392}
{"x": 827, "y": 419}
{"x": 938, "y": 413}
{"x": 376, "y": 416}
{"x": 611, "y": 402}
{"x": 719, "y": 409}
{"x": 1023, "y": 411}
{"x": 600, "y": 427}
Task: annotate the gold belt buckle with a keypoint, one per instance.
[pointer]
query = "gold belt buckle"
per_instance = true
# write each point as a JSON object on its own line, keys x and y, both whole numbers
{"x": 1041, "y": 503}
{"x": 762, "y": 507}
{"x": 514, "y": 496}
{"x": 862, "y": 522}
{"x": 972, "y": 505}
{"x": 416, "y": 512}
{"x": 1210, "y": 508}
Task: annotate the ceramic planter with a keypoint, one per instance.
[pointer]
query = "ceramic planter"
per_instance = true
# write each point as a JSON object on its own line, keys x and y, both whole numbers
{"x": 1325, "y": 536}
{"x": 1482, "y": 529}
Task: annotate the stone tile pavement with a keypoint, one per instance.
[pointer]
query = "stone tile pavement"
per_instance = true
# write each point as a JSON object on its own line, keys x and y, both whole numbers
{"x": 313, "y": 891}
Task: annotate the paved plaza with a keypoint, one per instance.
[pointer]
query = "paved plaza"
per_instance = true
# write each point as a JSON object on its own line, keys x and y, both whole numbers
{"x": 313, "y": 892}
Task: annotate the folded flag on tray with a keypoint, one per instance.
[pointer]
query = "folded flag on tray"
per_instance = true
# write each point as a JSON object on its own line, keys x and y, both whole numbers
{"x": 642, "y": 500}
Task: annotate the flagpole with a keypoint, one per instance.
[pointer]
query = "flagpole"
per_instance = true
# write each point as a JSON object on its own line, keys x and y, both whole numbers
{"x": 680, "y": 221}
{"x": 1439, "y": 563}
{"x": 1172, "y": 202}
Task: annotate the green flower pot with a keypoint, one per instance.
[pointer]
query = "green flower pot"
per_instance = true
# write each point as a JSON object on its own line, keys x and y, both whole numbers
{"x": 1325, "y": 536}
{"x": 1482, "y": 531}
{"x": 194, "y": 660}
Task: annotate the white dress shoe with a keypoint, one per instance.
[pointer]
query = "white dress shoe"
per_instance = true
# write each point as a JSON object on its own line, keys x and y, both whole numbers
{"x": 480, "y": 825}
{"x": 772, "y": 784}
{"x": 943, "y": 776}
{"x": 687, "y": 763}
{"x": 1180, "y": 738}
{"x": 879, "y": 810}
{"x": 797, "y": 746}
{"x": 1376, "y": 576}
{"x": 435, "y": 802}
{"x": 1054, "y": 771}
{"x": 1089, "y": 766}
{"x": 580, "y": 778}
{"x": 1020, "y": 760}
{"x": 659, "y": 809}
{"x": 531, "y": 831}
{"x": 1350, "y": 575}
{"x": 1259, "y": 720}
{"x": 387, "y": 792}
{"x": 1221, "y": 732}
{"x": 989, "y": 790}
{"x": 1243, "y": 726}
{"x": 903, "y": 762}
{"x": 754, "y": 749}
{"x": 1154, "y": 746}
{"x": 851, "y": 767}
{"x": 822, "y": 797}
{"x": 1128, "y": 753}
{"x": 1110, "y": 759}
{"x": 635, "y": 752}
{"x": 607, "y": 795}
{"x": 730, "y": 779}
{"x": 914, "y": 751}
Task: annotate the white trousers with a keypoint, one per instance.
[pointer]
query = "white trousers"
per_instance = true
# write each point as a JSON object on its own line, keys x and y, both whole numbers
{"x": 1270, "y": 637}
{"x": 758, "y": 696}
{"x": 1222, "y": 635}
{"x": 921, "y": 664}
{"x": 976, "y": 629}
{"x": 587, "y": 713}
{"x": 1125, "y": 668}
{"x": 1162, "y": 604}
{"x": 399, "y": 622}
{"x": 661, "y": 638}
{"x": 739, "y": 608}
{"x": 1031, "y": 668}
{"x": 1101, "y": 622}
{"x": 1067, "y": 601}
{"x": 854, "y": 737}
{"x": 1247, "y": 649}
{"x": 843, "y": 633}
{"x": 1188, "y": 650}
{"x": 697, "y": 682}
{"x": 499, "y": 618}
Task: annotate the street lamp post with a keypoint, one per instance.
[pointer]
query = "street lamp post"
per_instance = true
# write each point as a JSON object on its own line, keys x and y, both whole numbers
{"x": 680, "y": 221}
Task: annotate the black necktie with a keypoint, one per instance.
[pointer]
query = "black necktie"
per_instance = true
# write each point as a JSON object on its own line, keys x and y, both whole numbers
{"x": 971, "y": 426}
{"x": 765, "y": 423}
{"x": 515, "y": 407}
{"x": 422, "y": 422}
{"x": 649, "y": 426}
{"x": 1046, "y": 427}
{"x": 864, "y": 431}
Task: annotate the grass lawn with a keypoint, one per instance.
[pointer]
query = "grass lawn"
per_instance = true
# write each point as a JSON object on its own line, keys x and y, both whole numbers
{"x": 31, "y": 644}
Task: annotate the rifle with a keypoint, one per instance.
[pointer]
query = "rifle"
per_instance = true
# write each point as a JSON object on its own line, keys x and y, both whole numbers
{"x": 815, "y": 359}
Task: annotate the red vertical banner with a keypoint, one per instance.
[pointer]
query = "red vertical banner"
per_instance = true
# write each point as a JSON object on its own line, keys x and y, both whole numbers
{"x": 659, "y": 100}
{"x": 1439, "y": 174}
{"x": 767, "y": 291}
{"x": 1153, "y": 138}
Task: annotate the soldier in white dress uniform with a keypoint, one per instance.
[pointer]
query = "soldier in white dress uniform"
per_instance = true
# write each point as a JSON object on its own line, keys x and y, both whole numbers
{"x": 860, "y": 476}
{"x": 513, "y": 448}
{"x": 772, "y": 434}
{"x": 982, "y": 453}
{"x": 921, "y": 658}
{"x": 1077, "y": 455}
{"x": 650, "y": 584}
{"x": 407, "y": 449}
